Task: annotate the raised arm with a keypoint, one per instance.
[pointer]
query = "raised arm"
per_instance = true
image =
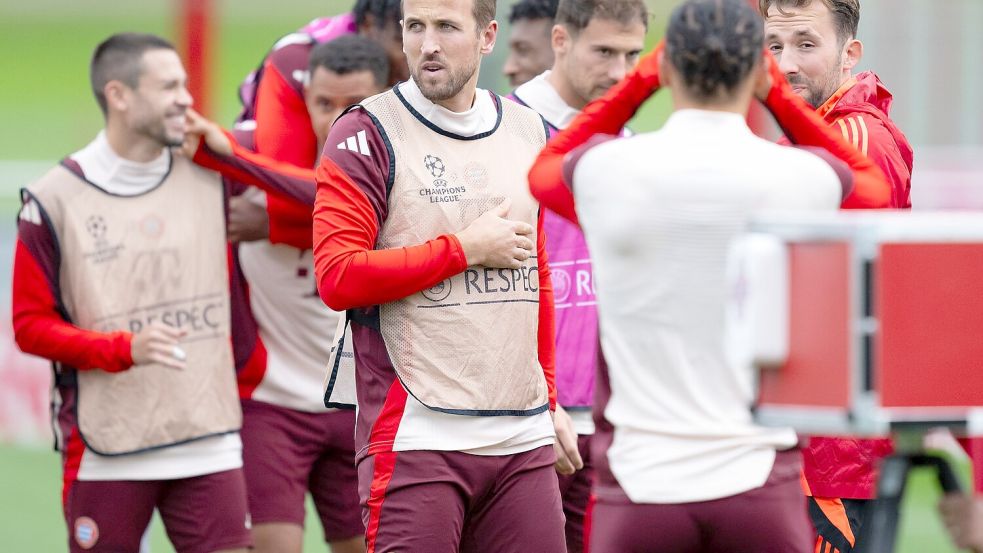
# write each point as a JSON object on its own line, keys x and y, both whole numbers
{"x": 606, "y": 115}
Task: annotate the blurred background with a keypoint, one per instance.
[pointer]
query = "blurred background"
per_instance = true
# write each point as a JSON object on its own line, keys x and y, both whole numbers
{"x": 928, "y": 53}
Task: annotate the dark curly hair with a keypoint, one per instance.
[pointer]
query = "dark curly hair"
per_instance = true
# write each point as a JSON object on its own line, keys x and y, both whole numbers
{"x": 380, "y": 10}
{"x": 714, "y": 44}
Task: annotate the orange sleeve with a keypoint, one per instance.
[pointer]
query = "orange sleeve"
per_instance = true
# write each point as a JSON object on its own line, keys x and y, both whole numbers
{"x": 39, "y": 325}
{"x": 350, "y": 273}
{"x": 606, "y": 115}
{"x": 546, "y": 334}
{"x": 284, "y": 133}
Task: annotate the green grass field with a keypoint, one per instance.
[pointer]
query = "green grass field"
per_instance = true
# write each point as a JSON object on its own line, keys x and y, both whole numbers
{"x": 30, "y": 517}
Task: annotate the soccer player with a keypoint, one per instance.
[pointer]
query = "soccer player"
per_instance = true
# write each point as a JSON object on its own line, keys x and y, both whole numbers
{"x": 596, "y": 43}
{"x": 121, "y": 279}
{"x": 680, "y": 466}
{"x": 815, "y": 44}
{"x": 274, "y": 101}
{"x": 292, "y": 444}
{"x": 425, "y": 231}
{"x": 530, "y": 51}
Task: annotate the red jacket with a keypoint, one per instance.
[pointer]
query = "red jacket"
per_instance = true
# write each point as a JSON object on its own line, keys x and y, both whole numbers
{"x": 861, "y": 110}
{"x": 837, "y": 467}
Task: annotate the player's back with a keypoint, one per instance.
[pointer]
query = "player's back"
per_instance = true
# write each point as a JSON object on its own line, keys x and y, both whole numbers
{"x": 660, "y": 212}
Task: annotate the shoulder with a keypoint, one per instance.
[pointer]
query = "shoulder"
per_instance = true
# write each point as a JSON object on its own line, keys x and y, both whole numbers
{"x": 289, "y": 57}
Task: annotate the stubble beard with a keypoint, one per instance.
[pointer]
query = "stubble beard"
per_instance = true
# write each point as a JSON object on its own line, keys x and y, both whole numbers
{"x": 438, "y": 92}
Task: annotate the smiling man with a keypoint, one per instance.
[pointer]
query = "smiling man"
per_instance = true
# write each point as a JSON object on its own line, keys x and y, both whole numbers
{"x": 424, "y": 229}
{"x": 815, "y": 43}
{"x": 121, "y": 279}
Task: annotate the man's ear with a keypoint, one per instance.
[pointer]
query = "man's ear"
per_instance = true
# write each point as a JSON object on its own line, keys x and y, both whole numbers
{"x": 488, "y": 37}
{"x": 560, "y": 40}
{"x": 853, "y": 51}
{"x": 116, "y": 95}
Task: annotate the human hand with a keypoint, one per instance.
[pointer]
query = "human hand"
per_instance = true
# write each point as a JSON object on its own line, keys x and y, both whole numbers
{"x": 158, "y": 343}
{"x": 198, "y": 128}
{"x": 568, "y": 458}
{"x": 767, "y": 73}
{"x": 963, "y": 518}
{"x": 248, "y": 220}
{"x": 494, "y": 241}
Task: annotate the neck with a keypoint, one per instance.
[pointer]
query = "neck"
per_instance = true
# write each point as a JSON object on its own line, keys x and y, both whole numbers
{"x": 558, "y": 79}
{"x": 738, "y": 102}
{"x": 130, "y": 145}
{"x": 464, "y": 99}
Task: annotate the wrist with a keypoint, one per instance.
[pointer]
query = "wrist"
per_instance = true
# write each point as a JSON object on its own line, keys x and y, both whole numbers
{"x": 467, "y": 247}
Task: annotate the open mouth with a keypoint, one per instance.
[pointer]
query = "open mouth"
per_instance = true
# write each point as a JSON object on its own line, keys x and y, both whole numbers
{"x": 432, "y": 67}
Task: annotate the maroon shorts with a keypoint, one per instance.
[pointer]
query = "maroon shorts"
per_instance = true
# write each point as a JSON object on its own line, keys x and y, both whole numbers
{"x": 769, "y": 519}
{"x": 287, "y": 453}
{"x": 575, "y": 493}
{"x": 447, "y": 501}
{"x": 201, "y": 514}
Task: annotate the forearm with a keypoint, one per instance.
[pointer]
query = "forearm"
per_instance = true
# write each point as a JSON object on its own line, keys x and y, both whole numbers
{"x": 260, "y": 171}
{"x": 350, "y": 272}
{"x": 547, "y": 319}
{"x": 40, "y": 330}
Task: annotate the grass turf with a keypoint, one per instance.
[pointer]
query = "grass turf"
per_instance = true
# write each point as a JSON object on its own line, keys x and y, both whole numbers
{"x": 30, "y": 516}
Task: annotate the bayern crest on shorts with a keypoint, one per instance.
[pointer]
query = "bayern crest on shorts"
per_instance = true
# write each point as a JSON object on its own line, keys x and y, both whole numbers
{"x": 86, "y": 532}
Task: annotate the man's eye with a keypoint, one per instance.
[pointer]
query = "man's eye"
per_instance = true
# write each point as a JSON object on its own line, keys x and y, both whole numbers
{"x": 775, "y": 48}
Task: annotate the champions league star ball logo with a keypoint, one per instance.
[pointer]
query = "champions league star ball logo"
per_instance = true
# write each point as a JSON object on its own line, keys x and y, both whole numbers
{"x": 435, "y": 165}
{"x": 95, "y": 225}
{"x": 439, "y": 291}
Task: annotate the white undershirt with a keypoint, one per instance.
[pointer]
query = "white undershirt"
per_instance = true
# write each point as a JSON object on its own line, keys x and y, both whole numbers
{"x": 423, "y": 428}
{"x": 103, "y": 167}
{"x": 540, "y": 95}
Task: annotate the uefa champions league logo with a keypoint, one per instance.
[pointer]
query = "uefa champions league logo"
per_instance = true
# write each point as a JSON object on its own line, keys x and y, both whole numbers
{"x": 435, "y": 165}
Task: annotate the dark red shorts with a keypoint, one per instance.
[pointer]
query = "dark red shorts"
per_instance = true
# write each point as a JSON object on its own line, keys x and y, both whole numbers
{"x": 575, "y": 493}
{"x": 769, "y": 519}
{"x": 287, "y": 453}
{"x": 201, "y": 514}
{"x": 450, "y": 502}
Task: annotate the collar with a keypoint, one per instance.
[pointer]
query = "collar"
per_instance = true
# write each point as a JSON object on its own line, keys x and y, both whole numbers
{"x": 540, "y": 95}
{"x": 831, "y": 102}
{"x": 103, "y": 167}
{"x": 481, "y": 118}
{"x": 706, "y": 121}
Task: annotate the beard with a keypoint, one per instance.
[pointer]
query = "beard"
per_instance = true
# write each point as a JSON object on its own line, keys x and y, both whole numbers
{"x": 819, "y": 90}
{"x": 453, "y": 83}
{"x": 158, "y": 132}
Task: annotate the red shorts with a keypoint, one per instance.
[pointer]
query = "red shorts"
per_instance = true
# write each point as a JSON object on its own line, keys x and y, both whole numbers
{"x": 769, "y": 519}
{"x": 453, "y": 502}
{"x": 287, "y": 453}
{"x": 201, "y": 514}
